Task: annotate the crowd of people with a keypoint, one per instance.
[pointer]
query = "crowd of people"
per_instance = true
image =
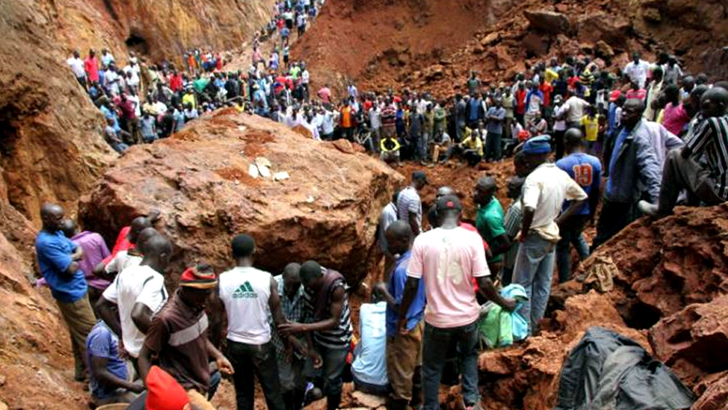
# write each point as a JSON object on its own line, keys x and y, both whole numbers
{"x": 628, "y": 143}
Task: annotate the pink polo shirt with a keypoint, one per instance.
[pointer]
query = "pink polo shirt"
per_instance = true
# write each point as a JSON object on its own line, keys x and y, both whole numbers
{"x": 447, "y": 260}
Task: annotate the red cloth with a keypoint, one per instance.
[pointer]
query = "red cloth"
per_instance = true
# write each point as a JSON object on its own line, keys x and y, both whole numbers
{"x": 91, "y": 65}
{"x": 175, "y": 82}
{"x": 520, "y": 101}
{"x": 546, "y": 89}
{"x": 164, "y": 393}
{"x": 122, "y": 244}
{"x": 219, "y": 61}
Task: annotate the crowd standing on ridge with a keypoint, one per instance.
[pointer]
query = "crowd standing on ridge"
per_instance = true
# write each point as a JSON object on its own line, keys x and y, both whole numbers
{"x": 635, "y": 142}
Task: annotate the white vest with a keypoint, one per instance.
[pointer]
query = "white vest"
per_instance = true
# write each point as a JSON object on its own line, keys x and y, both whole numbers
{"x": 245, "y": 293}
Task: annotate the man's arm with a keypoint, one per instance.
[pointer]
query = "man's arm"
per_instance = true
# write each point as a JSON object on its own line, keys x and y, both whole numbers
{"x": 499, "y": 244}
{"x": 274, "y": 303}
{"x": 381, "y": 290}
{"x": 410, "y": 291}
{"x": 528, "y": 213}
{"x": 108, "y": 379}
{"x": 650, "y": 171}
{"x": 487, "y": 289}
{"x": 145, "y": 362}
{"x": 412, "y": 219}
{"x": 222, "y": 362}
{"x": 141, "y": 315}
{"x": 107, "y": 314}
{"x": 337, "y": 307}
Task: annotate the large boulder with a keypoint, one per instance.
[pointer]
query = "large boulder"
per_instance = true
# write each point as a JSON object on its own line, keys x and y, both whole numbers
{"x": 200, "y": 180}
{"x": 548, "y": 21}
{"x": 694, "y": 341}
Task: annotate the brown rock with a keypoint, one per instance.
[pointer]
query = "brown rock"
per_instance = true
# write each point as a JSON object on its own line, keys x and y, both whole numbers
{"x": 535, "y": 44}
{"x": 490, "y": 39}
{"x": 613, "y": 29}
{"x": 602, "y": 49}
{"x": 327, "y": 210}
{"x": 548, "y": 21}
{"x": 367, "y": 401}
{"x": 694, "y": 341}
{"x": 713, "y": 392}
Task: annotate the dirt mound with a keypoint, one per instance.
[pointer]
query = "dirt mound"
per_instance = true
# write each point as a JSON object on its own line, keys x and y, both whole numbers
{"x": 412, "y": 52}
{"x": 199, "y": 179}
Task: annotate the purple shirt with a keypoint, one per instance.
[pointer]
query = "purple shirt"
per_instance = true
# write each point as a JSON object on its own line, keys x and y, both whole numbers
{"x": 94, "y": 251}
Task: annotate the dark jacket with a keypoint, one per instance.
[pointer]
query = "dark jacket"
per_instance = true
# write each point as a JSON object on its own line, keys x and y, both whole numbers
{"x": 609, "y": 371}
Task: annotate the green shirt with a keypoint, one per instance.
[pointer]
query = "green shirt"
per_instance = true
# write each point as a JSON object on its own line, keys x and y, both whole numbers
{"x": 489, "y": 222}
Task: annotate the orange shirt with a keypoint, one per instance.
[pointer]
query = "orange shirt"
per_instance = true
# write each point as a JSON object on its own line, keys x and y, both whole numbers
{"x": 346, "y": 117}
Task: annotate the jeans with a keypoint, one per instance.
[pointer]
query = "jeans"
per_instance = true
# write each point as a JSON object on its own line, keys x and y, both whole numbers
{"x": 436, "y": 344}
{"x": 571, "y": 235}
{"x": 334, "y": 361}
{"x": 534, "y": 270}
{"x": 252, "y": 361}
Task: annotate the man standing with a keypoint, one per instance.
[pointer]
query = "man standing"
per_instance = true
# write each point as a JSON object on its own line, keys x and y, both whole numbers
{"x": 59, "y": 262}
{"x": 489, "y": 221}
{"x": 404, "y": 350}
{"x": 586, "y": 170}
{"x": 94, "y": 251}
{"x": 707, "y": 183}
{"x": 77, "y": 66}
{"x": 494, "y": 126}
{"x": 91, "y": 66}
{"x": 137, "y": 293}
{"x": 447, "y": 259}
{"x": 386, "y": 218}
{"x": 409, "y": 204}
{"x": 290, "y": 369}
{"x": 544, "y": 192}
{"x": 634, "y": 167}
{"x": 178, "y": 338}
{"x": 636, "y": 70}
{"x": 327, "y": 318}
{"x": 250, "y": 297}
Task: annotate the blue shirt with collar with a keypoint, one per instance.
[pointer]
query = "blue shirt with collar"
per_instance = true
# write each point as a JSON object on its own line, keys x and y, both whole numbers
{"x": 395, "y": 287}
{"x": 54, "y": 252}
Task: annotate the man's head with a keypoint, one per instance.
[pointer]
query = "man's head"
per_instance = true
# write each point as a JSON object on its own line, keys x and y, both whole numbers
{"x": 196, "y": 285}
{"x": 399, "y": 237}
{"x": 243, "y": 247}
{"x": 291, "y": 279}
{"x": 701, "y": 79}
{"x": 312, "y": 275}
{"x": 657, "y": 74}
{"x": 520, "y": 164}
{"x": 158, "y": 252}
{"x": 484, "y": 190}
{"x": 138, "y": 224}
{"x": 688, "y": 82}
{"x": 714, "y": 102}
{"x": 444, "y": 190}
{"x": 632, "y": 112}
{"x": 515, "y": 184}
{"x": 419, "y": 179}
{"x": 636, "y": 57}
{"x": 52, "y": 216}
{"x": 92, "y": 53}
{"x": 69, "y": 228}
{"x": 76, "y": 54}
{"x": 573, "y": 140}
{"x": 143, "y": 238}
{"x": 448, "y": 209}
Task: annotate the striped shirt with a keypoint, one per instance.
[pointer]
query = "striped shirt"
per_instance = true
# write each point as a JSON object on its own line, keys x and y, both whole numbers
{"x": 338, "y": 337}
{"x": 710, "y": 137}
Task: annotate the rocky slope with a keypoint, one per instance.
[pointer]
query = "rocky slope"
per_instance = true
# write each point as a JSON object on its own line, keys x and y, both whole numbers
{"x": 199, "y": 179}
{"x": 500, "y": 38}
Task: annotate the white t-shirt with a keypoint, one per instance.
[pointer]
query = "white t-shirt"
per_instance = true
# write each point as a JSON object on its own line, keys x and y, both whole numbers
{"x": 545, "y": 190}
{"x": 574, "y": 109}
{"x": 637, "y": 72}
{"x": 136, "y": 284}
{"x": 76, "y": 65}
{"x": 375, "y": 118}
{"x": 534, "y": 104}
{"x": 447, "y": 260}
{"x": 246, "y": 294}
{"x": 121, "y": 261}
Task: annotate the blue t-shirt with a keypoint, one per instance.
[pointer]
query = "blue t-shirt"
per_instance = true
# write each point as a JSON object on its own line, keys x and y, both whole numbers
{"x": 586, "y": 170}
{"x": 101, "y": 342}
{"x": 395, "y": 287}
{"x": 54, "y": 252}
{"x": 370, "y": 362}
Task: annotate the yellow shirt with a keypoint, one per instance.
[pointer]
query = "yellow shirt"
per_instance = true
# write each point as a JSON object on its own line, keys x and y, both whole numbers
{"x": 189, "y": 99}
{"x": 474, "y": 142}
{"x": 591, "y": 127}
{"x": 551, "y": 75}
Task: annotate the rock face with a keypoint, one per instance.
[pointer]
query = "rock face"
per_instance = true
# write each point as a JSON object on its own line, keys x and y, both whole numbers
{"x": 694, "y": 341}
{"x": 199, "y": 179}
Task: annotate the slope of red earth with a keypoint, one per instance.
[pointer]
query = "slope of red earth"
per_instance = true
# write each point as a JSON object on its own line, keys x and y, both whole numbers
{"x": 379, "y": 48}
